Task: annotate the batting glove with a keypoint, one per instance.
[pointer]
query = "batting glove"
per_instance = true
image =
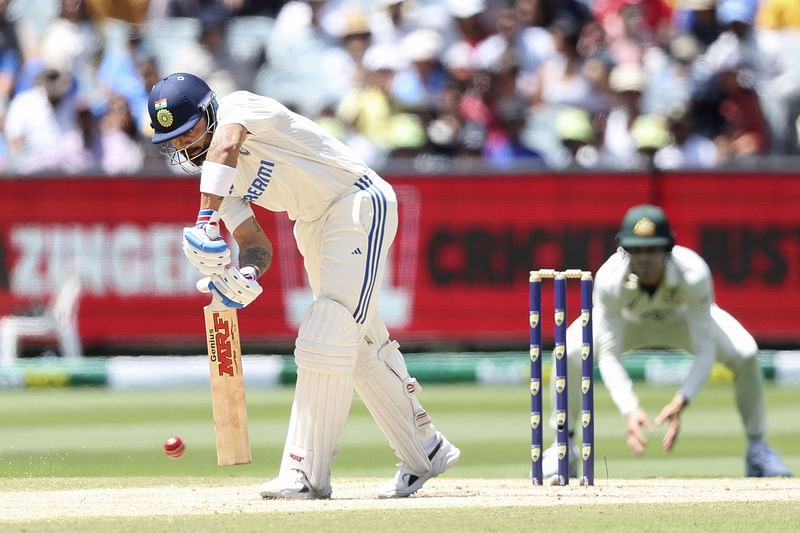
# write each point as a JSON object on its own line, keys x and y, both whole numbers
{"x": 235, "y": 288}
{"x": 202, "y": 245}
{"x": 208, "y": 221}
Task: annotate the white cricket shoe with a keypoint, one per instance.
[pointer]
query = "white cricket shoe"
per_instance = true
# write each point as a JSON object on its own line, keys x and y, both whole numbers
{"x": 292, "y": 485}
{"x": 550, "y": 461}
{"x": 405, "y": 482}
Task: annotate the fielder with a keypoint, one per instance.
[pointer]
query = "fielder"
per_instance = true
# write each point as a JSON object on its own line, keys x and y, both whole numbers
{"x": 653, "y": 293}
{"x": 253, "y": 150}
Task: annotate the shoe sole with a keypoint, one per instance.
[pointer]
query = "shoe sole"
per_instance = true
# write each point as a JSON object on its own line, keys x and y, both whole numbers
{"x": 452, "y": 459}
{"x": 761, "y": 473}
{"x": 294, "y": 496}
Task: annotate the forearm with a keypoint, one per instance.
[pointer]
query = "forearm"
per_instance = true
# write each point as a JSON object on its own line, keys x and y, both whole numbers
{"x": 618, "y": 383}
{"x": 220, "y": 164}
{"x": 259, "y": 257}
{"x": 704, "y": 351}
{"x": 698, "y": 375}
{"x": 255, "y": 249}
{"x": 210, "y": 201}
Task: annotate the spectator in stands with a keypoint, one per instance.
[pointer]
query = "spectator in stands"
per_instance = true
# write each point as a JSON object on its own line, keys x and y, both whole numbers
{"x": 744, "y": 131}
{"x": 576, "y": 132}
{"x": 189, "y": 8}
{"x": 132, "y": 11}
{"x": 634, "y": 38}
{"x": 208, "y": 56}
{"x": 419, "y": 83}
{"x": 10, "y": 57}
{"x": 390, "y": 22}
{"x": 491, "y": 84}
{"x": 87, "y": 139}
{"x": 406, "y": 136}
{"x": 738, "y": 38}
{"x": 505, "y": 147}
{"x": 122, "y": 150}
{"x": 543, "y": 13}
{"x": 355, "y": 40}
{"x": 562, "y": 80}
{"x": 41, "y": 128}
{"x": 457, "y": 60}
{"x": 296, "y": 48}
{"x": 75, "y": 37}
{"x": 445, "y": 130}
{"x": 551, "y": 53}
{"x": 531, "y": 46}
{"x": 369, "y": 109}
{"x": 467, "y": 16}
{"x": 649, "y": 134}
{"x": 779, "y": 14}
{"x": 339, "y": 68}
{"x": 119, "y": 73}
{"x": 531, "y": 13}
{"x": 699, "y": 18}
{"x": 687, "y": 148}
{"x": 627, "y": 82}
{"x": 670, "y": 85}
{"x": 651, "y": 19}
{"x": 10, "y": 61}
{"x": 184, "y": 8}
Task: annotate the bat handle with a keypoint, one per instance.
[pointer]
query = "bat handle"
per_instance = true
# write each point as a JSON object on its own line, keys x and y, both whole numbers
{"x": 216, "y": 303}
{"x": 202, "y": 285}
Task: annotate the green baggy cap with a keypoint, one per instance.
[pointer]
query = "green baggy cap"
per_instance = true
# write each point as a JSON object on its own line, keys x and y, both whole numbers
{"x": 645, "y": 225}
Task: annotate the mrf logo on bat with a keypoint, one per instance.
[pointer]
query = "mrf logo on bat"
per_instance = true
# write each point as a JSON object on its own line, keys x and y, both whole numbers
{"x": 221, "y": 348}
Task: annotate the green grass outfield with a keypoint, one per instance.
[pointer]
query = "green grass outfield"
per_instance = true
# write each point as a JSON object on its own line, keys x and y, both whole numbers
{"x": 97, "y": 434}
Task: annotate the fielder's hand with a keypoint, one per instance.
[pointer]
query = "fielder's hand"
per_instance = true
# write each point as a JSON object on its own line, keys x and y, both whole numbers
{"x": 235, "y": 288}
{"x": 634, "y": 422}
{"x": 671, "y": 413}
{"x": 203, "y": 246}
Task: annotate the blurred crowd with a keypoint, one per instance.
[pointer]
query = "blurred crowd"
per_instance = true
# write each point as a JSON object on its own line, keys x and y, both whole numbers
{"x": 550, "y": 84}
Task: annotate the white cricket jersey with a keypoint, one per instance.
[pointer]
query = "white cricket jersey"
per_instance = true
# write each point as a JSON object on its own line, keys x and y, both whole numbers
{"x": 677, "y": 315}
{"x": 287, "y": 163}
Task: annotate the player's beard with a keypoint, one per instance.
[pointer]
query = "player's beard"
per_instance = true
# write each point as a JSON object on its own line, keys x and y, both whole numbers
{"x": 197, "y": 154}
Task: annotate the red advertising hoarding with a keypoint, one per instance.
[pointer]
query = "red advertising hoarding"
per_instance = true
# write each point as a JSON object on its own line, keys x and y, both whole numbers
{"x": 458, "y": 269}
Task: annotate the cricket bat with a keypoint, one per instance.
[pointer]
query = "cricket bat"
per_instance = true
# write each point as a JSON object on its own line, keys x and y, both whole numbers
{"x": 227, "y": 385}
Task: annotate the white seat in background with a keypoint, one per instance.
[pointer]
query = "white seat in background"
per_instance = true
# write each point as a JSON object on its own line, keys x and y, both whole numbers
{"x": 59, "y": 320}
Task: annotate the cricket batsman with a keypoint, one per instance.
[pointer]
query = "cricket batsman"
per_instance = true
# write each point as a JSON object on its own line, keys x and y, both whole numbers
{"x": 252, "y": 150}
{"x": 654, "y": 293}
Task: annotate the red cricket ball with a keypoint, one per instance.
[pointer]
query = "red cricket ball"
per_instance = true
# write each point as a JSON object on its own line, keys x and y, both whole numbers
{"x": 174, "y": 447}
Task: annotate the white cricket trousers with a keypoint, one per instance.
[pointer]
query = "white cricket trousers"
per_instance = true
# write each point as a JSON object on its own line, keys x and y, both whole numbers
{"x": 735, "y": 348}
{"x": 344, "y": 252}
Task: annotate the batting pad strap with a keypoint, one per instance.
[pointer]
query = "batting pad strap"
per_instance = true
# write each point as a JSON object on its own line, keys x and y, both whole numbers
{"x": 216, "y": 178}
{"x": 328, "y": 339}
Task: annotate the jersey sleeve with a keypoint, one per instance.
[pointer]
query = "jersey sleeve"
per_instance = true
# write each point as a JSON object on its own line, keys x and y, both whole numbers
{"x": 700, "y": 289}
{"x": 234, "y": 210}
{"x": 609, "y": 361}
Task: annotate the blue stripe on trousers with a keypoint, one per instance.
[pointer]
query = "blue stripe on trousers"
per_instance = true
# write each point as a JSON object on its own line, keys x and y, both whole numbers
{"x": 374, "y": 246}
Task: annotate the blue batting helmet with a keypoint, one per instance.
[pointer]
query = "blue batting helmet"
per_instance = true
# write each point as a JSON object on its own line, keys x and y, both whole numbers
{"x": 177, "y": 103}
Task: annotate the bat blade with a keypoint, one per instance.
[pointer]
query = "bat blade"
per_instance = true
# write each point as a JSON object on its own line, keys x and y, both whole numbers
{"x": 227, "y": 387}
